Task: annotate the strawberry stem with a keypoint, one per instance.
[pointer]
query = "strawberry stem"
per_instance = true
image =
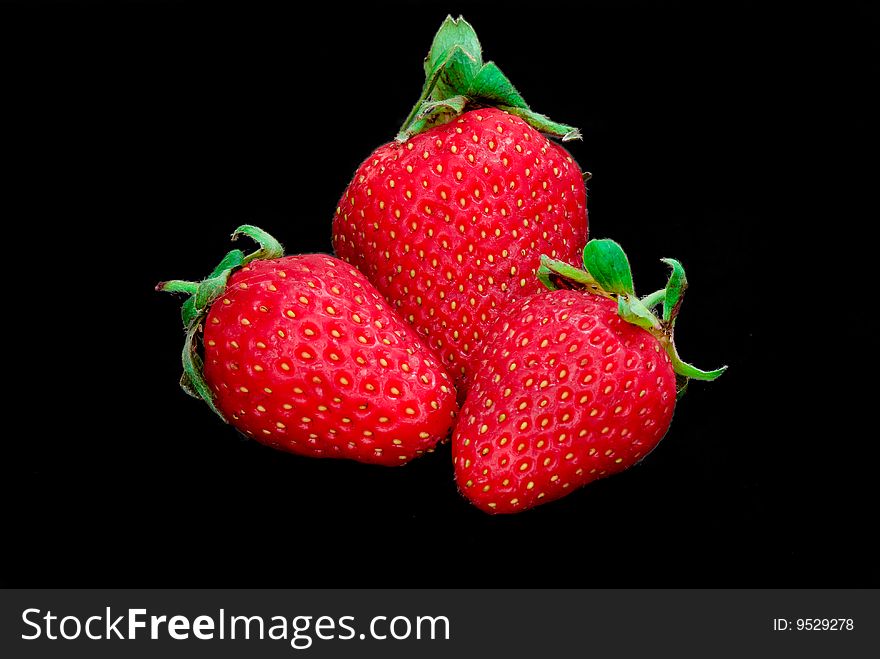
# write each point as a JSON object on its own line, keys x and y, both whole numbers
{"x": 457, "y": 77}
{"x": 202, "y": 294}
{"x": 607, "y": 273}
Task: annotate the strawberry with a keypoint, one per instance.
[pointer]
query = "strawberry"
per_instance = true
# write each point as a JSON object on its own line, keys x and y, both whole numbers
{"x": 574, "y": 385}
{"x": 302, "y": 353}
{"x": 449, "y": 220}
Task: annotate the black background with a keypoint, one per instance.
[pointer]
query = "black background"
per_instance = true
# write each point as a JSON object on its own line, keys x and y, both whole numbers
{"x": 733, "y": 136}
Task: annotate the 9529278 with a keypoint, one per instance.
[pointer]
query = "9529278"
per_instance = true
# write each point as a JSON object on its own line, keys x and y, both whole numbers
{"x": 813, "y": 624}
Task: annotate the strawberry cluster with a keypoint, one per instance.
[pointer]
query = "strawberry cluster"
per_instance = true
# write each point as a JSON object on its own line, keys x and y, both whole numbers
{"x": 464, "y": 301}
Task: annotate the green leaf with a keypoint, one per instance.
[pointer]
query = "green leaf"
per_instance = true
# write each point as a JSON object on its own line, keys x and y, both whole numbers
{"x": 633, "y": 311}
{"x": 269, "y": 247}
{"x": 233, "y": 259}
{"x": 192, "y": 379}
{"x": 187, "y": 386}
{"x": 210, "y": 290}
{"x": 454, "y": 34}
{"x": 177, "y": 286}
{"x": 454, "y": 104}
{"x": 675, "y": 288}
{"x": 553, "y": 272}
{"x": 606, "y": 261}
{"x": 455, "y": 75}
{"x": 681, "y": 386}
{"x": 188, "y": 312}
{"x": 491, "y": 85}
{"x": 543, "y": 124}
{"x": 683, "y": 368}
{"x": 544, "y": 276}
{"x": 434, "y": 112}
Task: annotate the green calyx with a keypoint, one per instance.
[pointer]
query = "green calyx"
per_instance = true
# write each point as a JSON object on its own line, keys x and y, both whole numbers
{"x": 607, "y": 273}
{"x": 456, "y": 77}
{"x": 201, "y": 295}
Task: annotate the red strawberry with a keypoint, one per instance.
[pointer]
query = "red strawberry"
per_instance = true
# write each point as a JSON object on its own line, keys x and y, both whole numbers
{"x": 301, "y": 353}
{"x": 450, "y": 220}
{"x": 574, "y": 386}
